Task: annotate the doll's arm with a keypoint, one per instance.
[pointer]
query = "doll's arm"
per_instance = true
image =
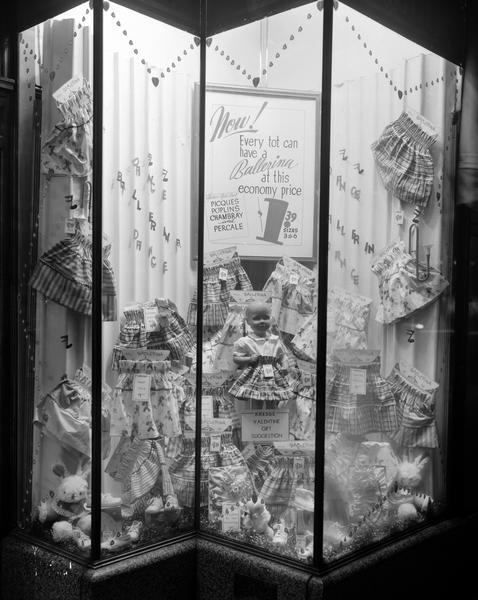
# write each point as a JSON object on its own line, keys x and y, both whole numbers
{"x": 242, "y": 354}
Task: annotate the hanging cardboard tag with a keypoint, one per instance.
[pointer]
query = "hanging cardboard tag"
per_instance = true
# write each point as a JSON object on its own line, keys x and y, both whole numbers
{"x": 358, "y": 381}
{"x": 399, "y": 217}
{"x": 70, "y": 226}
{"x": 207, "y": 409}
{"x": 222, "y": 274}
{"x": 231, "y": 517}
{"x": 294, "y": 279}
{"x": 268, "y": 371}
{"x": 150, "y": 315}
{"x": 215, "y": 443}
{"x": 306, "y": 378}
{"x": 141, "y": 387}
{"x": 299, "y": 464}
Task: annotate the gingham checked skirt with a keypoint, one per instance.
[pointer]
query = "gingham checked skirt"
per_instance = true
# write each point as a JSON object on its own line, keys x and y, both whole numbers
{"x": 64, "y": 274}
{"x": 415, "y": 394}
{"x": 216, "y": 292}
{"x": 359, "y": 410}
{"x": 403, "y": 159}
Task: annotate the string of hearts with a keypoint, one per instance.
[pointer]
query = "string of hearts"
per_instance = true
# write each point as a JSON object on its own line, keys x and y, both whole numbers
{"x": 154, "y": 79}
{"x": 383, "y": 70}
{"x": 31, "y": 54}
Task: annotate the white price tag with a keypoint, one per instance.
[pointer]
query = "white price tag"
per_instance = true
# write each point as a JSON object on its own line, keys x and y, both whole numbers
{"x": 299, "y": 463}
{"x": 150, "y": 314}
{"x": 358, "y": 381}
{"x": 294, "y": 279}
{"x": 231, "y": 517}
{"x": 141, "y": 387}
{"x": 399, "y": 217}
{"x": 207, "y": 409}
{"x": 306, "y": 378}
{"x": 222, "y": 274}
{"x": 215, "y": 444}
{"x": 268, "y": 371}
{"x": 70, "y": 225}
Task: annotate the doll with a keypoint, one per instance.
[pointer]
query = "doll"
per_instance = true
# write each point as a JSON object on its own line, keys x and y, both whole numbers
{"x": 263, "y": 361}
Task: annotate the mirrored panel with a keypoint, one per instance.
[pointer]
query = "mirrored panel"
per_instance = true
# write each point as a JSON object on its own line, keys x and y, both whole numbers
{"x": 150, "y": 71}
{"x": 392, "y": 149}
{"x": 54, "y": 269}
{"x": 262, "y": 160}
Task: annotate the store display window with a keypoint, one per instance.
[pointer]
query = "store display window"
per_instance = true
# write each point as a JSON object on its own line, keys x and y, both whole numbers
{"x": 235, "y": 280}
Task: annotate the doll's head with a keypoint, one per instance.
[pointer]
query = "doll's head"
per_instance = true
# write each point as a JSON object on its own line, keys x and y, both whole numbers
{"x": 258, "y": 317}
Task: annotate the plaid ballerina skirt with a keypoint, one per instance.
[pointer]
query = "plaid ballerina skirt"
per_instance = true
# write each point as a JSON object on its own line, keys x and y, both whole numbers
{"x": 63, "y": 274}
{"x": 217, "y": 292}
{"x": 415, "y": 394}
{"x": 252, "y": 384}
{"x": 401, "y": 292}
{"x": 403, "y": 158}
{"x": 143, "y": 468}
{"x": 169, "y": 331}
{"x": 182, "y": 467}
{"x": 359, "y": 400}
{"x": 156, "y": 416}
{"x": 287, "y": 473}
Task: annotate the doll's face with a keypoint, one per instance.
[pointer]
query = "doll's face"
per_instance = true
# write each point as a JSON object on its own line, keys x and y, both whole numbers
{"x": 259, "y": 318}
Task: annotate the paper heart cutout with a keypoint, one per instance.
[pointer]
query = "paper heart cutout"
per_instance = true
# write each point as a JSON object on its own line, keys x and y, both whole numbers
{"x": 277, "y": 55}
{"x": 228, "y": 57}
{"x": 179, "y": 59}
{"x": 222, "y": 52}
{"x": 309, "y": 16}
{"x": 256, "y": 81}
{"x": 155, "y": 81}
{"x": 131, "y": 42}
{"x": 400, "y": 94}
{"x": 106, "y": 5}
{"x": 284, "y": 47}
{"x": 135, "y": 50}
{"x": 233, "y": 62}
{"x": 216, "y": 48}
{"x": 173, "y": 65}
{"x": 197, "y": 41}
{"x": 162, "y": 75}
{"x": 291, "y": 37}
{"x": 271, "y": 64}
{"x": 264, "y": 71}
{"x": 185, "y": 52}
{"x": 300, "y": 28}
{"x": 244, "y": 71}
{"x": 208, "y": 41}
{"x": 52, "y": 75}
{"x": 249, "y": 76}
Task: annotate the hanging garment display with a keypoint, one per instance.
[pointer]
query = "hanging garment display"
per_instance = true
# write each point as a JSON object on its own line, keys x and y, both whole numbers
{"x": 63, "y": 274}
{"x": 359, "y": 400}
{"x": 415, "y": 394}
{"x": 68, "y": 149}
{"x": 222, "y": 273}
{"x": 350, "y": 314}
{"x": 287, "y": 473}
{"x": 404, "y": 284}
{"x": 403, "y": 159}
{"x": 292, "y": 289}
{"x": 149, "y": 400}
